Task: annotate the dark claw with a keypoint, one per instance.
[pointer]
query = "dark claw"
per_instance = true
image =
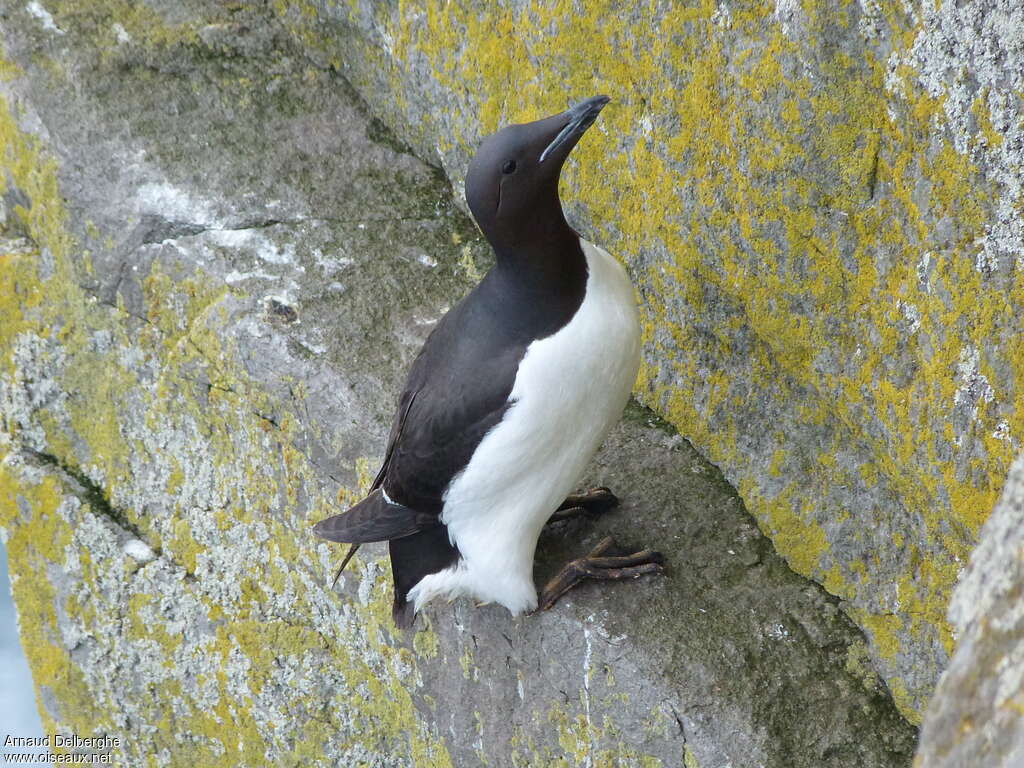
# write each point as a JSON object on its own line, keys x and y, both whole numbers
{"x": 596, "y": 501}
{"x": 600, "y": 500}
{"x": 598, "y": 565}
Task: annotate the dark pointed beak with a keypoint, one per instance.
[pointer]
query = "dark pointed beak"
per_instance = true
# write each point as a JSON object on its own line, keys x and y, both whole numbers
{"x": 578, "y": 119}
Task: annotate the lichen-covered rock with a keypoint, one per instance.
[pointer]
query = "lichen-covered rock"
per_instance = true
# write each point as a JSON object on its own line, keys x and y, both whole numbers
{"x": 215, "y": 267}
{"x": 975, "y": 716}
{"x": 821, "y": 205}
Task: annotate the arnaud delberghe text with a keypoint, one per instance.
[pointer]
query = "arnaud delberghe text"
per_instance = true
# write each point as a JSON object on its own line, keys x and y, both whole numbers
{"x": 56, "y": 741}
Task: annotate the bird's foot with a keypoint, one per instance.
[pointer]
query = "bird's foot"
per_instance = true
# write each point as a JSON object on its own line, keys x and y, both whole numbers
{"x": 594, "y": 502}
{"x": 598, "y": 565}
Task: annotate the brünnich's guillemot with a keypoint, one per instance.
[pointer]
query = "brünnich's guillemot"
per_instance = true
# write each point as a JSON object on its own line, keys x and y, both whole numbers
{"x": 510, "y": 397}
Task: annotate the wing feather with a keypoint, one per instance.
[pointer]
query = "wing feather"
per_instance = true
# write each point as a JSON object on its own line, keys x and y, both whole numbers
{"x": 457, "y": 391}
{"x": 374, "y": 519}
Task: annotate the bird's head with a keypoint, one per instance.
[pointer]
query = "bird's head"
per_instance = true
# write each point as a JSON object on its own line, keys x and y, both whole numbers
{"x": 512, "y": 182}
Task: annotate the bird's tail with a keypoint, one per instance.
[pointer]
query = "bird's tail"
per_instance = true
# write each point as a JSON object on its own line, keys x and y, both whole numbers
{"x": 403, "y": 612}
{"x": 375, "y": 518}
{"x": 348, "y": 556}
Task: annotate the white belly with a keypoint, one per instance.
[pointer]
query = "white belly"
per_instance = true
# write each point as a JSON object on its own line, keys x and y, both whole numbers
{"x": 569, "y": 391}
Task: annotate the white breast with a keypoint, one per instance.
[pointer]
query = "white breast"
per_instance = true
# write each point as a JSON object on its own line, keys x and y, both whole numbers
{"x": 569, "y": 391}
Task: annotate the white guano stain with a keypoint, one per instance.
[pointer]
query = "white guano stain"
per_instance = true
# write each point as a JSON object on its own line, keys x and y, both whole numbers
{"x": 790, "y": 16}
{"x": 174, "y": 204}
{"x": 722, "y": 17}
{"x": 974, "y": 388}
{"x": 588, "y": 655}
{"x": 37, "y": 10}
{"x": 256, "y": 242}
{"x": 138, "y": 550}
{"x": 971, "y": 56}
{"x": 234, "y": 276}
{"x": 911, "y": 314}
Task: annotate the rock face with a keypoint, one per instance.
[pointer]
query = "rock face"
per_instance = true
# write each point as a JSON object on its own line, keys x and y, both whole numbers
{"x": 222, "y": 246}
{"x": 974, "y": 717}
{"x": 821, "y": 205}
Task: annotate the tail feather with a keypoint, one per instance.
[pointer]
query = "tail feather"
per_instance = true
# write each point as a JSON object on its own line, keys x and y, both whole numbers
{"x": 413, "y": 558}
{"x": 348, "y": 556}
{"x": 403, "y": 613}
{"x": 419, "y": 544}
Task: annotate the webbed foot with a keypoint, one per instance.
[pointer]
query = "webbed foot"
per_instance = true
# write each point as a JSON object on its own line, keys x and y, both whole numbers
{"x": 598, "y": 565}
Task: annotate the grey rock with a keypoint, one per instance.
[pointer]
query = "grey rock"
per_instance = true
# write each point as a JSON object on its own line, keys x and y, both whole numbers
{"x": 820, "y": 206}
{"x": 223, "y": 266}
{"x": 974, "y": 718}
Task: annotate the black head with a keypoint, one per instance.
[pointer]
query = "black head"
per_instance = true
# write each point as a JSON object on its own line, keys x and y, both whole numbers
{"x": 512, "y": 182}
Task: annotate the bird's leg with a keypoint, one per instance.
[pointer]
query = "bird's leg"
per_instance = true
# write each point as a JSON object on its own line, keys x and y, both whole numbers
{"x": 595, "y": 501}
{"x": 597, "y": 565}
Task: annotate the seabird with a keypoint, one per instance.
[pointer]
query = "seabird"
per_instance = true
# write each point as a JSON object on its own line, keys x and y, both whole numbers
{"x": 510, "y": 397}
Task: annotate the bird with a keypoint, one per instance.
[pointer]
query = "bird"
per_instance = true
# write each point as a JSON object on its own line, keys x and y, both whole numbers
{"x": 509, "y": 398}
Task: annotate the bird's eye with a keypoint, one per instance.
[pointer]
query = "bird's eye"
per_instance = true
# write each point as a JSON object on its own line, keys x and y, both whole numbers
{"x": 508, "y": 167}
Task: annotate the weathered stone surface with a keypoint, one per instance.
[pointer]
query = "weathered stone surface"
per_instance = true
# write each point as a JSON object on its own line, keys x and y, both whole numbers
{"x": 215, "y": 267}
{"x": 821, "y": 205}
{"x": 975, "y": 716}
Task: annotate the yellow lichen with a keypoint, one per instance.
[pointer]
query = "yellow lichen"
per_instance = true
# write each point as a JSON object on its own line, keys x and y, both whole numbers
{"x": 183, "y": 334}
{"x": 742, "y": 167}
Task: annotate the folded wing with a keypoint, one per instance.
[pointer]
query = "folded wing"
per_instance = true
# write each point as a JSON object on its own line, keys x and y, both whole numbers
{"x": 457, "y": 390}
{"x": 375, "y": 518}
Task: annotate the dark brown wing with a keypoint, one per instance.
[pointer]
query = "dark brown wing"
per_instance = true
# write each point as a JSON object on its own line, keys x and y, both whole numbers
{"x": 404, "y": 404}
{"x": 461, "y": 384}
{"x": 373, "y": 519}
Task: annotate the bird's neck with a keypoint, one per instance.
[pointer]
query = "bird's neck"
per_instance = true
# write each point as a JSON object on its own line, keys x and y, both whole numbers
{"x": 537, "y": 287}
{"x": 548, "y": 258}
